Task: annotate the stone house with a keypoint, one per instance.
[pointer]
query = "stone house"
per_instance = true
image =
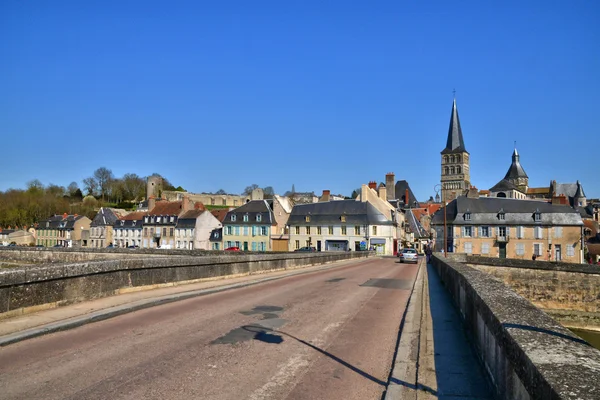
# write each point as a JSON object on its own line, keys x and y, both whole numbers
{"x": 282, "y": 208}
{"x": 511, "y": 228}
{"x": 62, "y": 230}
{"x": 249, "y": 227}
{"x": 127, "y": 230}
{"x": 193, "y": 230}
{"x": 22, "y": 237}
{"x": 101, "y": 228}
{"x": 160, "y": 222}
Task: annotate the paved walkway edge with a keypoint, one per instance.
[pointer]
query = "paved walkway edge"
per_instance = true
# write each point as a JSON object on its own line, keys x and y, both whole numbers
{"x": 403, "y": 380}
{"x": 112, "y": 312}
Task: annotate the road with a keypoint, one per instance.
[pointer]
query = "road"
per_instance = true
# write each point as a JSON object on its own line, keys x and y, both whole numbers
{"x": 330, "y": 334}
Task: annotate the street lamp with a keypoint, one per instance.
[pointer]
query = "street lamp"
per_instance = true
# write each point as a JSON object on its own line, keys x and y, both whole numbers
{"x": 437, "y": 188}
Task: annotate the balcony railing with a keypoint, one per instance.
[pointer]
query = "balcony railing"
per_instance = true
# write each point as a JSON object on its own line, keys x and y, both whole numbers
{"x": 502, "y": 238}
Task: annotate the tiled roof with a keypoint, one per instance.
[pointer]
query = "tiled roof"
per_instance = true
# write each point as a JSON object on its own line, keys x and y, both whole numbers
{"x": 542, "y": 190}
{"x": 134, "y": 216}
{"x": 166, "y": 208}
{"x": 192, "y": 214}
{"x": 220, "y": 214}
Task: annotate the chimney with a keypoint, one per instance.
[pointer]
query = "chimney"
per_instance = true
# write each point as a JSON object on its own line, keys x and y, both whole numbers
{"x": 406, "y": 198}
{"x": 390, "y": 184}
{"x": 151, "y": 203}
{"x": 65, "y": 215}
{"x": 373, "y": 185}
{"x": 326, "y": 195}
{"x": 383, "y": 192}
{"x": 185, "y": 204}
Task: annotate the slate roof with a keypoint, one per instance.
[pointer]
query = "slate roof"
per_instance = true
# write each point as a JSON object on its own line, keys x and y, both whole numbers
{"x": 485, "y": 210}
{"x": 106, "y": 217}
{"x": 416, "y": 226}
{"x": 455, "y": 142}
{"x": 188, "y": 220}
{"x": 330, "y": 213}
{"x": 400, "y": 189}
{"x": 59, "y": 222}
{"x": 503, "y": 185}
{"x": 252, "y": 209}
{"x": 515, "y": 170}
{"x": 134, "y": 220}
{"x": 579, "y": 192}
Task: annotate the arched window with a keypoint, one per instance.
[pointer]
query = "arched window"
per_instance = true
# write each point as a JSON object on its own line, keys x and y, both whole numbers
{"x": 446, "y": 170}
{"x": 458, "y": 170}
{"x": 445, "y": 159}
{"x": 501, "y": 194}
{"x": 452, "y": 170}
{"x": 457, "y": 158}
{"x": 452, "y": 159}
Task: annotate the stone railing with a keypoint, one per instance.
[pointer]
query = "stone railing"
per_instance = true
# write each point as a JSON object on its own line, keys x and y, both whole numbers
{"x": 526, "y": 354}
{"x": 32, "y": 287}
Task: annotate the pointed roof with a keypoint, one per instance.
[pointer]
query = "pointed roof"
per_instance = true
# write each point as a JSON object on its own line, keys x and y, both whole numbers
{"x": 455, "y": 142}
{"x": 579, "y": 193}
{"x": 516, "y": 170}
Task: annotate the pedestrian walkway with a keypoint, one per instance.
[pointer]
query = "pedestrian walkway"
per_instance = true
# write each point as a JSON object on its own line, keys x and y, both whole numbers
{"x": 434, "y": 358}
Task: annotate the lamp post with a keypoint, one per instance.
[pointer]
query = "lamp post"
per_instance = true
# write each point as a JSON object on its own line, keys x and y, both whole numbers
{"x": 437, "y": 188}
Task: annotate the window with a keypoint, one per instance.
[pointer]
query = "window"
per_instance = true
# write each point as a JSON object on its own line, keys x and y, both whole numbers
{"x": 452, "y": 170}
{"x": 485, "y": 248}
{"x": 558, "y": 232}
{"x": 233, "y": 217}
{"x": 520, "y": 232}
{"x": 343, "y": 218}
{"x": 245, "y": 217}
{"x": 331, "y": 230}
{"x": 133, "y": 223}
{"x": 215, "y": 246}
{"x": 308, "y": 230}
{"x": 145, "y": 220}
{"x": 307, "y": 218}
{"x": 501, "y": 215}
{"x": 253, "y": 246}
{"x": 502, "y": 231}
{"x": 537, "y": 231}
{"x": 468, "y": 231}
{"x": 164, "y": 231}
{"x": 468, "y": 247}
{"x": 570, "y": 250}
{"x": 229, "y": 231}
{"x": 446, "y": 171}
{"x": 224, "y": 202}
{"x": 297, "y": 230}
{"x": 171, "y": 232}
{"x": 172, "y": 219}
{"x": 357, "y": 230}
{"x": 484, "y": 231}
{"x": 458, "y": 158}
{"x": 297, "y": 245}
{"x": 537, "y": 249}
{"x": 374, "y": 231}
{"x": 263, "y": 230}
{"x": 468, "y": 215}
{"x": 458, "y": 170}
{"x": 537, "y": 216}
{"x": 245, "y": 230}
{"x": 343, "y": 230}
{"x": 258, "y": 217}
{"x": 318, "y": 230}
{"x": 520, "y": 248}
{"x": 122, "y": 223}
{"x": 151, "y": 231}
{"x": 236, "y": 230}
{"x": 445, "y": 159}
{"x": 157, "y": 220}
{"x": 212, "y": 201}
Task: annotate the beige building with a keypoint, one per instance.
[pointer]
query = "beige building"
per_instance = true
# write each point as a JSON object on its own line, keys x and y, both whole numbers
{"x": 211, "y": 199}
{"x": 161, "y": 220}
{"x": 62, "y": 230}
{"x": 194, "y": 228}
{"x": 511, "y": 228}
{"x": 101, "y": 228}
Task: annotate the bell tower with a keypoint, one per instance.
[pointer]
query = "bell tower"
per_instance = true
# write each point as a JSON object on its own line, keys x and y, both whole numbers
{"x": 456, "y": 176}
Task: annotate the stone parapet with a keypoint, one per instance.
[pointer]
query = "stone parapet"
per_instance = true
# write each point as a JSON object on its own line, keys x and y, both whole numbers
{"x": 526, "y": 353}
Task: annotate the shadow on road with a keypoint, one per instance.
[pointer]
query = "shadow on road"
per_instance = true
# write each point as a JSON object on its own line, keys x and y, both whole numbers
{"x": 269, "y": 335}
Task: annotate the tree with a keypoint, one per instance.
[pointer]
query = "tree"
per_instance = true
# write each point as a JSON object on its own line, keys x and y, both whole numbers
{"x": 220, "y": 191}
{"x": 355, "y": 193}
{"x": 269, "y": 192}
{"x": 35, "y": 184}
{"x": 90, "y": 186}
{"x": 249, "y": 189}
{"x": 134, "y": 187}
{"x": 55, "y": 190}
{"x": 103, "y": 176}
{"x": 72, "y": 188}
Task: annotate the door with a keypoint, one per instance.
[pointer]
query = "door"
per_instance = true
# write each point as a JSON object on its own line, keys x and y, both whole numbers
{"x": 245, "y": 246}
{"x": 318, "y": 245}
{"x": 557, "y": 252}
{"x": 502, "y": 247}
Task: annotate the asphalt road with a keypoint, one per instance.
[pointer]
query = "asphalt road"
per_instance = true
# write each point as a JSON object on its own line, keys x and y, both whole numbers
{"x": 323, "y": 335}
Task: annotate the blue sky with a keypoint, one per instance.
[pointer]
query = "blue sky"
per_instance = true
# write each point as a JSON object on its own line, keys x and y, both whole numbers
{"x": 323, "y": 95}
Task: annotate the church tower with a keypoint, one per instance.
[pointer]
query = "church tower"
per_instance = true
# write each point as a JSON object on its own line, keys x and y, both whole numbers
{"x": 456, "y": 177}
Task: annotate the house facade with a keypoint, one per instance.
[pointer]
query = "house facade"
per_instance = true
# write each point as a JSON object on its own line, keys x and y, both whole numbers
{"x": 62, "y": 230}
{"x": 127, "y": 230}
{"x": 160, "y": 222}
{"x": 101, "y": 228}
{"x": 249, "y": 227}
{"x": 194, "y": 228}
{"x": 511, "y": 228}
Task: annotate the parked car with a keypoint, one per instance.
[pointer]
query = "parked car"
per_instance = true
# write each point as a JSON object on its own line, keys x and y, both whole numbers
{"x": 133, "y": 247}
{"x": 13, "y": 244}
{"x": 307, "y": 249}
{"x": 232, "y": 249}
{"x": 408, "y": 255}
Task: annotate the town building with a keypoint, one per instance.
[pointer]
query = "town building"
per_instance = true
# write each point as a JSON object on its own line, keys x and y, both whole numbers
{"x": 216, "y": 239}
{"x": 249, "y": 227}
{"x": 4, "y": 236}
{"x": 62, "y": 230}
{"x": 193, "y": 230}
{"x": 455, "y": 170}
{"x": 127, "y": 230}
{"x": 282, "y": 208}
{"x": 160, "y": 222}
{"x": 510, "y": 228}
{"x": 212, "y": 199}
{"x": 101, "y": 228}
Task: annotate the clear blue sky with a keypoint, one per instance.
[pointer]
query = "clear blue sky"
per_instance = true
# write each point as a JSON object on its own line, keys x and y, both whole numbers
{"x": 323, "y": 95}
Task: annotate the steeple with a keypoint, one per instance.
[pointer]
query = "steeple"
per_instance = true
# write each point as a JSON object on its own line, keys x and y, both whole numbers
{"x": 455, "y": 142}
{"x": 579, "y": 193}
{"x": 515, "y": 171}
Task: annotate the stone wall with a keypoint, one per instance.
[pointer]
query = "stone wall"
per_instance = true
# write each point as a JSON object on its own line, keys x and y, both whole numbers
{"x": 526, "y": 354}
{"x": 30, "y": 288}
{"x": 569, "y": 292}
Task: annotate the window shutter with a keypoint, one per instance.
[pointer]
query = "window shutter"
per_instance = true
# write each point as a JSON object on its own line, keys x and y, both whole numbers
{"x": 479, "y": 231}
{"x": 497, "y": 231}
{"x": 507, "y": 231}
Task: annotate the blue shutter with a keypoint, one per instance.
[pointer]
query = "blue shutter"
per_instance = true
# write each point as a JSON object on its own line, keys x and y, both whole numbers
{"x": 507, "y": 231}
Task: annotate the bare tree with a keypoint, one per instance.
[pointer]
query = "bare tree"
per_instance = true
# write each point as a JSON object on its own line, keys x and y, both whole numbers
{"x": 90, "y": 186}
{"x": 72, "y": 188}
{"x": 249, "y": 189}
{"x": 103, "y": 176}
{"x": 220, "y": 191}
{"x": 134, "y": 187}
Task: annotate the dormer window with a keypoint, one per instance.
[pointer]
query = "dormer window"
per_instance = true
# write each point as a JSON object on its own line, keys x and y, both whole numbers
{"x": 468, "y": 215}
{"x": 133, "y": 223}
{"x": 146, "y": 220}
{"x": 537, "y": 215}
{"x": 501, "y": 215}
{"x": 233, "y": 218}
{"x": 122, "y": 223}
{"x": 245, "y": 217}
{"x": 343, "y": 218}
{"x": 258, "y": 217}
{"x": 307, "y": 218}
{"x": 172, "y": 218}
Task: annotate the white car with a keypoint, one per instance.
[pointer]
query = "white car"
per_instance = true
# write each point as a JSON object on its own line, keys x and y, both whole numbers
{"x": 408, "y": 255}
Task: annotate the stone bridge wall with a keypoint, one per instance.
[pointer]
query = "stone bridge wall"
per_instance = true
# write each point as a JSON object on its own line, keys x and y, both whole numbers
{"x": 34, "y": 287}
{"x": 526, "y": 354}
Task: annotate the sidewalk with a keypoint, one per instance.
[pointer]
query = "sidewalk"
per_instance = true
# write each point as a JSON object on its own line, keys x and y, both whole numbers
{"x": 434, "y": 359}
{"x": 39, "y": 323}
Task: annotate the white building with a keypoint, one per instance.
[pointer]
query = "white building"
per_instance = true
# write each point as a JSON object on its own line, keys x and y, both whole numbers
{"x": 194, "y": 228}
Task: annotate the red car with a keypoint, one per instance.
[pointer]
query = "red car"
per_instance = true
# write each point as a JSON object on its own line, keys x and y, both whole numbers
{"x": 232, "y": 249}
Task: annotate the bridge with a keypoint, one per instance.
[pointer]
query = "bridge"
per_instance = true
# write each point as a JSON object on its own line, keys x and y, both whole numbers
{"x": 110, "y": 323}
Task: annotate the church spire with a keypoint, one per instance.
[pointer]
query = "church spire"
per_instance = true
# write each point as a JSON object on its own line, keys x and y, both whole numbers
{"x": 455, "y": 142}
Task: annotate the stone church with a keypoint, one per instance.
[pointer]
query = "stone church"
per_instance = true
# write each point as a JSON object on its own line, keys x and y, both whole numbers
{"x": 456, "y": 177}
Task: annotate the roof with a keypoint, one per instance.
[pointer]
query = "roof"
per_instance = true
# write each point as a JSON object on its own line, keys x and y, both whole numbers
{"x": 216, "y": 235}
{"x": 166, "y": 208}
{"x": 188, "y": 220}
{"x": 330, "y": 213}
{"x": 542, "y": 190}
{"x": 415, "y": 225}
{"x": 400, "y": 189}
{"x": 252, "y": 209}
{"x": 455, "y": 142}
{"x": 220, "y": 214}
{"x": 515, "y": 170}
{"x": 504, "y": 185}
{"x": 485, "y": 210}
{"x": 579, "y": 192}
{"x": 60, "y": 222}
{"x": 107, "y": 216}
{"x": 134, "y": 216}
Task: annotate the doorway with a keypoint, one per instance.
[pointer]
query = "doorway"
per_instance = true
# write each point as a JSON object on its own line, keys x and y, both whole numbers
{"x": 557, "y": 252}
{"x": 245, "y": 246}
{"x": 318, "y": 245}
{"x": 502, "y": 248}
